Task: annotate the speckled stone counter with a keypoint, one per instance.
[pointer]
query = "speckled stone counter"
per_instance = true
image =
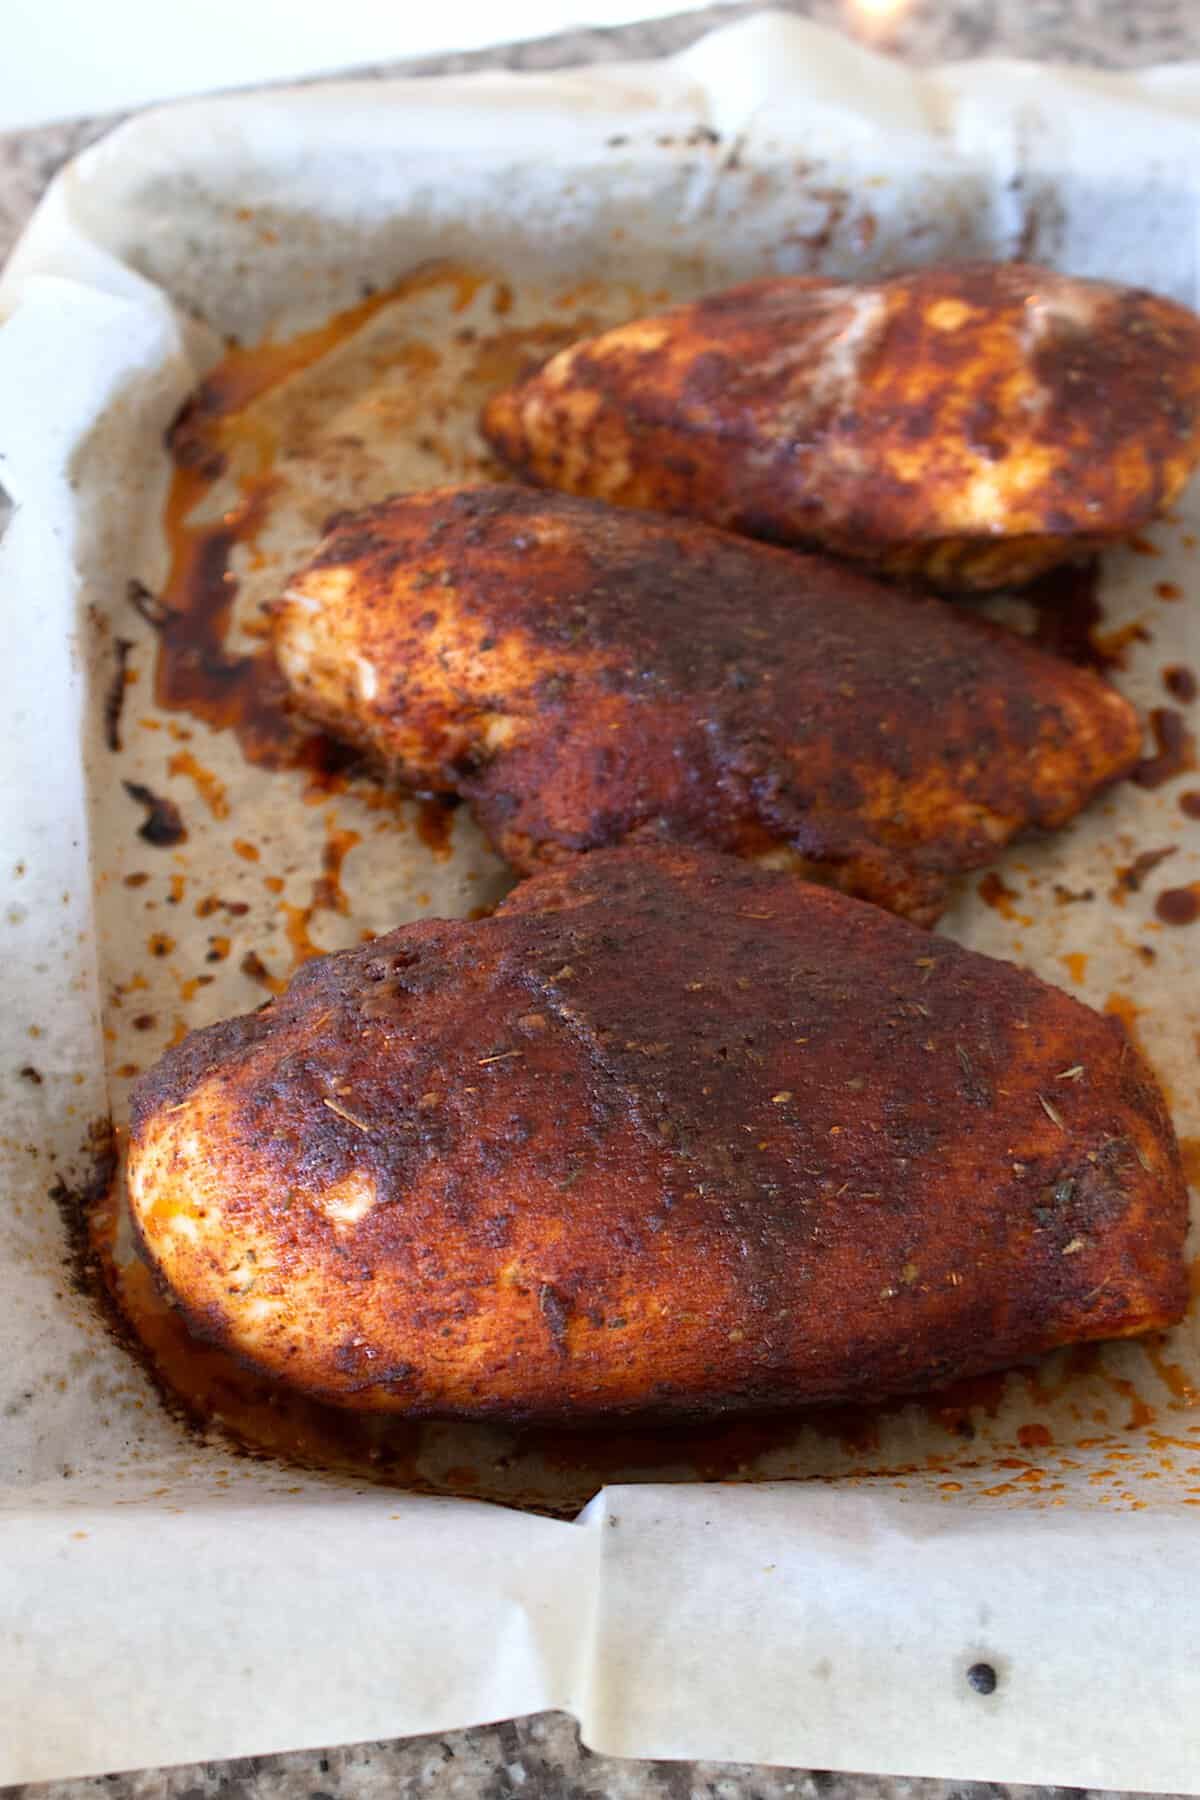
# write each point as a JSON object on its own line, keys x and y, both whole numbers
{"x": 541, "y": 1758}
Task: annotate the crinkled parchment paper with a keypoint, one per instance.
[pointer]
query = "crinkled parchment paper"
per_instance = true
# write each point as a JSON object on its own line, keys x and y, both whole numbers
{"x": 168, "y": 1597}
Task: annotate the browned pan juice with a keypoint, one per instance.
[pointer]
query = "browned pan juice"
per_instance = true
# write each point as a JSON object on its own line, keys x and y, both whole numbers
{"x": 224, "y": 676}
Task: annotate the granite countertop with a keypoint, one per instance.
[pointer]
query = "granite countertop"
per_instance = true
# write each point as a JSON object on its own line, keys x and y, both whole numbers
{"x": 541, "y": 1758}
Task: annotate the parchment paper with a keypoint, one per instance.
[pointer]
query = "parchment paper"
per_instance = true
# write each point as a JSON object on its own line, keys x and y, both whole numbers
{"x": 170, "y": 1599}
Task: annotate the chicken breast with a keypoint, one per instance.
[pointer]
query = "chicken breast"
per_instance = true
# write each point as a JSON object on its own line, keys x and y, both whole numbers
{"x": 971, "y": 425}
{"x": 587, "y": 676}
{"x": 665, "y": 1135}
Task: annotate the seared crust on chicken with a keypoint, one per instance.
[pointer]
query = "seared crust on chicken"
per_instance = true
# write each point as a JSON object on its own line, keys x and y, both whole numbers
{"x": 588, "y": 676}
{"x": 972, "y": 425}
{"x": 666, "y": 1134}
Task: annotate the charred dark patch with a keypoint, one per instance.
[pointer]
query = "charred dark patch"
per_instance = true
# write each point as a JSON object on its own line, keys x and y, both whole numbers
{"x": 163, "y": 824}
{"x": 1180, "y": 683}
{"x": 253, "y": 965}
{"x": 146, "y": 603}
{"x": 555, "y": 1311}
{"x": 1067, "y": 613}
{"x": 1179, "y": 906}
{"x": 114, "y": 698}
{"x": 1131, "y": 879}
{"x": 1174, "y": 749}
{"x": 189, "y": 437}
{"x": 76, "y": 1191}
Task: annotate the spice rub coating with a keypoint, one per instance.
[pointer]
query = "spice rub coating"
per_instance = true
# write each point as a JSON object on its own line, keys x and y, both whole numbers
{"x": 589, "y": 676}
{"x": 666, "y": 1135}
{"x": 972, "y": 424}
